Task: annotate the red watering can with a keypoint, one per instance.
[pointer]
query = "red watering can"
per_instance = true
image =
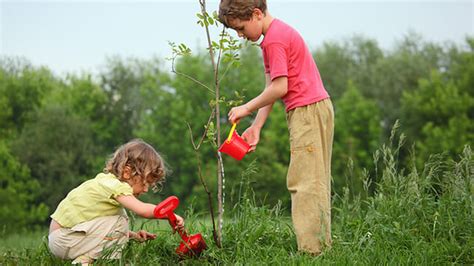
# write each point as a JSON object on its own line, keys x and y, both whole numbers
{"x": 191, "y": 245}
{"x": 234, "y": 145}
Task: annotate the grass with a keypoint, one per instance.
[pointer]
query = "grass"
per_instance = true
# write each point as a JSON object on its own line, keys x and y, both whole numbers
{"x": 420, "y": 217}
{"x": 19, "y": 241}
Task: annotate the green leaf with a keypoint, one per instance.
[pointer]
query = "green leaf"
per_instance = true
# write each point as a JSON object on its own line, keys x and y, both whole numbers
{"x": 210, "y": 20}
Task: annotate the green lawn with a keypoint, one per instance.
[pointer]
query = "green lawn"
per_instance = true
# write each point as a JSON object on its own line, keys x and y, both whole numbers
{"x": 19, "y": 241}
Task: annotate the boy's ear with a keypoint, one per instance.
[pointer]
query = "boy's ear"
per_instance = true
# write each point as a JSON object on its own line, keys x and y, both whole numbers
{"x": 258, "y": 13}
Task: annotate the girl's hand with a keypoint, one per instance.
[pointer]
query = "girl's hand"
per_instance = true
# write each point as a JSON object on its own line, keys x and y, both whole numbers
{"x": 179, "y": 223}
{"x": 142, "y": 235}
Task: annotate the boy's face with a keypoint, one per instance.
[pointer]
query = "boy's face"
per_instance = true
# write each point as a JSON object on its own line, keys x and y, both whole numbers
{"x": 250, "y": 29}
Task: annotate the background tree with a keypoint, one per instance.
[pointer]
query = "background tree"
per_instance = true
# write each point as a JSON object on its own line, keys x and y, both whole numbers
{"x": 57, "y": 146}
{"x": 411, "y": 60}
{"x": 357, "y": 135}
{"x": 379, "y": 75}
{"x": 18, "y": 191}
{"x": 439, "y": 116}
{"x": 127, "y": 84}
{"x": 179, "y": 102}
{"x": 22, "y": 88}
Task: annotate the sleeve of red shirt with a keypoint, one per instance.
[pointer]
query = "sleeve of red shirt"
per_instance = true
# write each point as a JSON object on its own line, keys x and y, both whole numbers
{"x": 277, "y": 60}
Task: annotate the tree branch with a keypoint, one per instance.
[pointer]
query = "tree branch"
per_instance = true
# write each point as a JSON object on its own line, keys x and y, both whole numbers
{"x": 189, "y": 77}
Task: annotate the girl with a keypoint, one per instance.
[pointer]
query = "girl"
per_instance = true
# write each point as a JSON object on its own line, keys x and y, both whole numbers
{"x": 92, "y": 217}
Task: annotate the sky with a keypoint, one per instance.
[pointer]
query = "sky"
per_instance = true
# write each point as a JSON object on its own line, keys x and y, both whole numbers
{"x": 78, "y": 36}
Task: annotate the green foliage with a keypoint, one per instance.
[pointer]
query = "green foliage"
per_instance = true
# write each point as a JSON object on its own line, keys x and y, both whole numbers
{"x": 179, "y": 50}
{"x": 439, "y": 116}
{"x": 58, "y": 148}
{"x": 356, "y": 136}
{"x": 128, "y": 85}
{"x": 18, "y": 192}
{"x": 180, "y": 103}
{"x": 355, "y": 59}
{"x": 411, "y": 60}
{"x": 22, "y": 88}
{"x": 206, "y": 20}
{"x": 379, "y": 75}
{"x": 407, "y": 221}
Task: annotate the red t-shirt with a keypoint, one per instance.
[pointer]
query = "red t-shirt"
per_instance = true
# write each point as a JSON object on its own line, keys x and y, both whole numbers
{"x": 286, "y": 54}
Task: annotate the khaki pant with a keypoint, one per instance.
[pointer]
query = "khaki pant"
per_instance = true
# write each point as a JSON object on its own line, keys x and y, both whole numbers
{"x": 87, "y": 241}
{"x": 311, "y": 130}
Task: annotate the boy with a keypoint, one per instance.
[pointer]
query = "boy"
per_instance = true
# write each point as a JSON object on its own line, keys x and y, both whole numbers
{"x": 291, "y": 74}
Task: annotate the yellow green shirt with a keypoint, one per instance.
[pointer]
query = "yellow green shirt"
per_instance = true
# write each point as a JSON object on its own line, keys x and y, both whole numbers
{"x": 92, "y": 199}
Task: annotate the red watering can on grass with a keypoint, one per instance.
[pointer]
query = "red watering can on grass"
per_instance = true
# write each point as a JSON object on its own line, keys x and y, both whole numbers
{"x": 234, "y": 145}
{"x": 191, "y": 245}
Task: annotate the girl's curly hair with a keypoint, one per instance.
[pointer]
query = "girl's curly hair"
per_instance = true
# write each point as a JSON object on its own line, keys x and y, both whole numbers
{"x": 143, "y": 160}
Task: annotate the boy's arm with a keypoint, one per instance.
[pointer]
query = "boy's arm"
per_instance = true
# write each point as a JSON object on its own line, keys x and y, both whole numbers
{"x": 252, "y": 134}
{"x": 262, "y": 116}
{"x": 264, "y": 111}
{"x": 274, "y": 91}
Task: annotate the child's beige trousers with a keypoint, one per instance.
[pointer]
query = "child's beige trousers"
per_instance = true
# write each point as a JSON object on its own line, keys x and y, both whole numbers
{"x": 89, "y": 240}
{"x": 311, "y": 130}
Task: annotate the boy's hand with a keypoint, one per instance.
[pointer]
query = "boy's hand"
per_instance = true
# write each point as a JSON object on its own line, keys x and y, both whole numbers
{"x": 142, "y": 235}
{"x": 238, "y": 112}
{"x": 179, "y": 223}
{"x": 252, "y": 136}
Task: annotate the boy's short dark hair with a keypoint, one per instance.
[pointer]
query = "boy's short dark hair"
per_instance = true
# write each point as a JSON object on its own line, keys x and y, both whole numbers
{"x": 241, "y": 9}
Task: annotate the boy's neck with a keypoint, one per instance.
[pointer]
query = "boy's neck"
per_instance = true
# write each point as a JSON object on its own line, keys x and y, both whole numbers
{"x": 267, "y": 20}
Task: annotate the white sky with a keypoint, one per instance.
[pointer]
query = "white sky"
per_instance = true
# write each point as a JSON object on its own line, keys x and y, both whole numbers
{"x": 73, "y": 36}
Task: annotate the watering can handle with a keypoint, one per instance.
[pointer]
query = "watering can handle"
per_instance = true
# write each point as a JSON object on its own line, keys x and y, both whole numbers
{"x": 172, "y": 220}
{"x": 231, "y": 132}
{"x": 164, "y": 210}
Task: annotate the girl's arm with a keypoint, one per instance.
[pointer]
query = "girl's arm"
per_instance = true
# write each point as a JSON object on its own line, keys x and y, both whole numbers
{"x": 141, "y": 235}
{"x": 137, "y": 206}
{"x": 144, "y": 209}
